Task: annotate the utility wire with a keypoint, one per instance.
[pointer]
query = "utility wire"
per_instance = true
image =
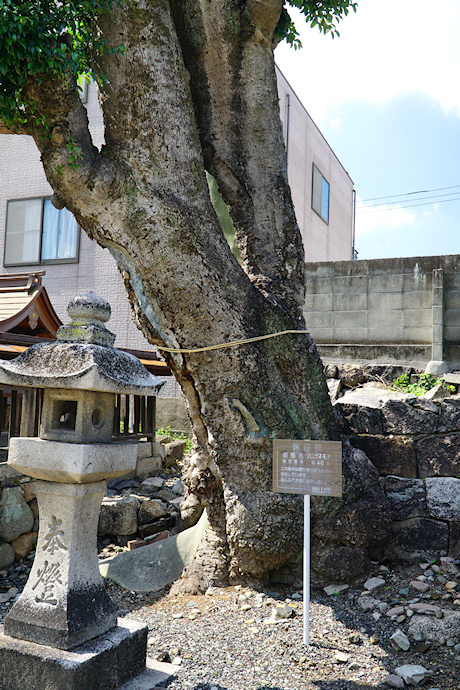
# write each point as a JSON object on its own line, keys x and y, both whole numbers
{"x": 406, "y": 201}
{"x": 421, "y": 191}
{"x": 398, "y": 208}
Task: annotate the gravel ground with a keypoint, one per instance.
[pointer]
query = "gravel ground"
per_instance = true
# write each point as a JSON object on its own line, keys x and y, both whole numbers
{"x": 229, "y": 638}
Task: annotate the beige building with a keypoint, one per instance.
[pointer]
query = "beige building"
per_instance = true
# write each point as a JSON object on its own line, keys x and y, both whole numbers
{"x": 322, "y": 190}
{"x": 34, "y": 235}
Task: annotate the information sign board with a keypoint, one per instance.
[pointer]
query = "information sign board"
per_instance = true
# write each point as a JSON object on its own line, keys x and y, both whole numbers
{"x": 312, "y": 468}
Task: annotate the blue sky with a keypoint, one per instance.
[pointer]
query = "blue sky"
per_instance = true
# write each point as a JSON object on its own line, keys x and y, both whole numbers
{"x": 386, "y": 95}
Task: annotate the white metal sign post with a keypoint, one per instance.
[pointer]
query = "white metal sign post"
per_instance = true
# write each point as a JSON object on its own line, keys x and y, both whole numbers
{"x": 306, "y": 569}
{"x": 308, "y": 468}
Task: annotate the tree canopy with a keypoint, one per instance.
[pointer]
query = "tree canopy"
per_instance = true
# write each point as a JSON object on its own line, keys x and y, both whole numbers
{"x": 46, "y": 37}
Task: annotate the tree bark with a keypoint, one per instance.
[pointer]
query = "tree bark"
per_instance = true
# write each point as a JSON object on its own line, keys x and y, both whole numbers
{"x": 195, "y": 88}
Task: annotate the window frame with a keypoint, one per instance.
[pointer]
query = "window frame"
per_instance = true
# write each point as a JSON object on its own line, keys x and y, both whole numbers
{"x": 40, "y": 262}
{"x": 323, "y": 179}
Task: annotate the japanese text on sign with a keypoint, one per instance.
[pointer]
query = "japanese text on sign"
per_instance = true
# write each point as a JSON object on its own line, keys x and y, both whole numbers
{"x": 307, "y": 467}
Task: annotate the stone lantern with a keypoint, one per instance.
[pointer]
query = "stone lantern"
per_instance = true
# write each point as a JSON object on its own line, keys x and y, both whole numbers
{"x": 64, "y": 604}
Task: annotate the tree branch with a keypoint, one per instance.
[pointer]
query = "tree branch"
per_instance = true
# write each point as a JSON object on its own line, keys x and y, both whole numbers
{"x": 236, "y": 104}
{"x": 265, "y": 14}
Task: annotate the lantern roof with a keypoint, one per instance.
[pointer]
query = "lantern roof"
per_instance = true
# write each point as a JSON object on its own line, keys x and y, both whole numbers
{"x": 82, "y": 357}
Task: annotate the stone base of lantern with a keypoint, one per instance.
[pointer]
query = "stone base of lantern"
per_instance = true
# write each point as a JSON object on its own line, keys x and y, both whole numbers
{"x": 104, "y": 663}
{"x": 64, "y": 602}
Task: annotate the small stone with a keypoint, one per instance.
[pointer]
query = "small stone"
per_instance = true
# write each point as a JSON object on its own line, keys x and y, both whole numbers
{"x": 367, "y": 603}
{"x": 246, "y": 607}
{"x": 178, "y": 615}
{"x": 413, "y": 674}
{"x": 283, "y": 611}
{"x": 427, "y": 609}
{"x": 450, "y": 584}
{"x": 178, "y": 487}
{"x": 7, "y": 596}
{"x": 6, "y": 555}
{"x": 394, "y": 681}
{"x": 400, "y": 640}
{"x": 334, "y": 589}
{"x": 355, "y": 638}
{"x": 341, "y": 657}
{"x": 24, "y": 544}
{"x": 420, "y": 586}
{"x": 374, "y": 639}
{"x": 374, "y": 583}
{"x": 395, "y": 611}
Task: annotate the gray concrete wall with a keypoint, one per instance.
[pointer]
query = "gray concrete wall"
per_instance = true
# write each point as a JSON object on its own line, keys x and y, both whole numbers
{"x": 404, "y": 310}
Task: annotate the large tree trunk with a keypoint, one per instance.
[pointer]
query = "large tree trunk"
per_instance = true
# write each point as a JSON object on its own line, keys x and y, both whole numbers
{"x": 196, "y": 88}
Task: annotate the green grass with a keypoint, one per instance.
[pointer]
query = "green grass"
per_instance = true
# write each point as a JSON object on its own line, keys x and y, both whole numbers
{"x": 176, "y": 436}
{"x": 425, "y": 383}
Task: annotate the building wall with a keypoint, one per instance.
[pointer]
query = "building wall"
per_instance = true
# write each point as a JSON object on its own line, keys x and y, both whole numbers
{"x": 22, "y": 176}
{"x": 306, "y": 146}
{"x": 405, "y": 309}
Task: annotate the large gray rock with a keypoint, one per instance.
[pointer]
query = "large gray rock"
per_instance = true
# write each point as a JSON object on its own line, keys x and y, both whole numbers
{"x": 360, "y": 419}
{"x": 390, "y": 455}
{"x": 407, "y": 497}
{"x": 151, "y": 510}
{"x": 6, "y": 555}
{"x": 401, "y": 417}
{"x": 450, "y": 414}
{"x": 418, "y": 539}
{"x": 118, "y": 516}
{"x": 443, "y": 498}
{"x": 454, "y": 542}
{"x": 347, "y": 533}
{"x": 439, "y": 456}
{"x": 15, "y": 515}
{"x": 436, "y": 630}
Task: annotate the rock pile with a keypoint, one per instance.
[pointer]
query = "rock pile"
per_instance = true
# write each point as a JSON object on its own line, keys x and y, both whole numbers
{"x": 414, "y": 444}
{"x": 137, "y": 507}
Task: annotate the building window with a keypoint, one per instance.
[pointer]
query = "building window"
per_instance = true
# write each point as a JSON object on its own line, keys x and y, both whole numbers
{"x": 36, "y": 233}
{"x": 320, "y": 195}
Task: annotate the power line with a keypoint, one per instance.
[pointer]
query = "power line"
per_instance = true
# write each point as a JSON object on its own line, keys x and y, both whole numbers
{"x": 421, "y": 191}
{"x": 399, "y": 208}
{"x": 406, "y": 201}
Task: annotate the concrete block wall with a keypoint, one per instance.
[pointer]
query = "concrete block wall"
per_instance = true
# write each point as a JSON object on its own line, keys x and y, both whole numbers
{"x": 404, "y": 309}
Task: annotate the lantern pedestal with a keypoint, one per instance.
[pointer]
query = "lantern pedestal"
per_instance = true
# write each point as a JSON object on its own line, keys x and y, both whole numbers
{"x": 64, "y": 602}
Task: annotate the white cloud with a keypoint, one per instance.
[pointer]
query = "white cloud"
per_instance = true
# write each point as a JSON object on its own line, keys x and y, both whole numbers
{"x": 387, "y": 49}
{"x": 372, "y": 220}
